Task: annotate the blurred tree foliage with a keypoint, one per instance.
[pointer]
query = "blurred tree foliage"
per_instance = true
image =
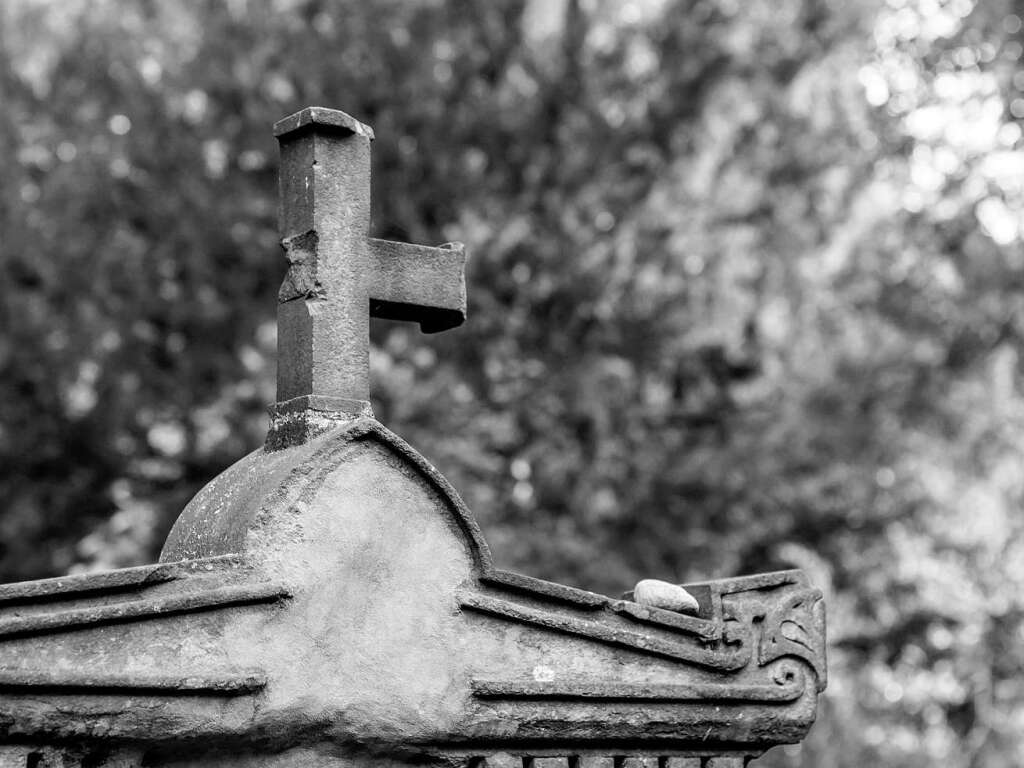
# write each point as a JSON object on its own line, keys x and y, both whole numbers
{"x": 745, "y": 293}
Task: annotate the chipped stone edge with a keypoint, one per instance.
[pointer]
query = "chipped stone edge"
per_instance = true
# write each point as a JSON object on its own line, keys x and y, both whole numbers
{"x": 601, "y": 632}
{"x": 106, "y": 582}
{"x": 324, "y": 117}
{"x": 790, "y": 681}
{"x": 53, "y": 681}
{"x": 69, "y": 619}
{"x": 531, "y": 585}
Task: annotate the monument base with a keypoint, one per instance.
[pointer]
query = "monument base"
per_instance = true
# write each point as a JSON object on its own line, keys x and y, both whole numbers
{"x": 299, "y": 420}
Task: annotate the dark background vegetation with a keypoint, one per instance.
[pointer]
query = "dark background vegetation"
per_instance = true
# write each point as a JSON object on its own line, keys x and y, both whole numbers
{"x": 746, "y": 293}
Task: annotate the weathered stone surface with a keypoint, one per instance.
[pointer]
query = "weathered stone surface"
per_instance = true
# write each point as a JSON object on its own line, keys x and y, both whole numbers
{"x": 329, "y": 600}
{"x": 338, "y": 277}
{"x": 342, "y": 584}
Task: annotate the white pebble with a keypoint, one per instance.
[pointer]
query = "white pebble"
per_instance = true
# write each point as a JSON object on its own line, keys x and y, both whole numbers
{"x": 661, "y": 594}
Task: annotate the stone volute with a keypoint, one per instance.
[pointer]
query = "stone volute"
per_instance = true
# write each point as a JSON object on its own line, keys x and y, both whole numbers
{"x": 329, "y": 600}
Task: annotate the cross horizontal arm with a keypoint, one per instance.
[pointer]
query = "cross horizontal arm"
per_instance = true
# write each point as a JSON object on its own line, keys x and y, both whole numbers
{"x": 418, "y": 283}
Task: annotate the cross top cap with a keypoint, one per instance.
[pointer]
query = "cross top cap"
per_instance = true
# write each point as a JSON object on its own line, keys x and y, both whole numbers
{"x": 323, "y": 117}
{"x": 338, "y": 277}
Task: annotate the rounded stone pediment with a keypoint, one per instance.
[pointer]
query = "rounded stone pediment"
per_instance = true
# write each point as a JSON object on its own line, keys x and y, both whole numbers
{"x": 270, "y": 504}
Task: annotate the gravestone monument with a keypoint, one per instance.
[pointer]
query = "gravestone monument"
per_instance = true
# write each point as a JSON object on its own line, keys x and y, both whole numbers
{"x": 329, "y": 600}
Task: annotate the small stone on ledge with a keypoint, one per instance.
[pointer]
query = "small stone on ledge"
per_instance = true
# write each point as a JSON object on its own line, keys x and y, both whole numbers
{"x": 661, "y": 594}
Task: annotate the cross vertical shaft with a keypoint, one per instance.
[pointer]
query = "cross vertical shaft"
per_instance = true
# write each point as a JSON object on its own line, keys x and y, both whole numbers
{"x": 338, "y": 277}
{"x": 323, "y": 320}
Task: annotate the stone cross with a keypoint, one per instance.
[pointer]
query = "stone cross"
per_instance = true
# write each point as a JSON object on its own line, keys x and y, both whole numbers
{"x": 333, "y": 603}
{"x": 338, "y": 276}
